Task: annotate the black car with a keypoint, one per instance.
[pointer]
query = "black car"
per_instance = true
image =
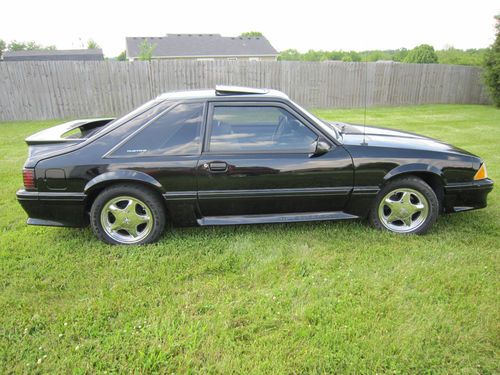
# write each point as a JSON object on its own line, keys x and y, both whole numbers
{"x": 239, "y": 156}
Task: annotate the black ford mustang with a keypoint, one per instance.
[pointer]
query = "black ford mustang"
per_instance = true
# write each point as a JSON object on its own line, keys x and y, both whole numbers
{"x": 239, "y": 156}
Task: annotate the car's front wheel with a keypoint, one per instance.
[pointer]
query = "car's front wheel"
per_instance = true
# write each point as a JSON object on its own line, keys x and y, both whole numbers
{"x": 406, "y": 205}
{"x": 127, "y": 214}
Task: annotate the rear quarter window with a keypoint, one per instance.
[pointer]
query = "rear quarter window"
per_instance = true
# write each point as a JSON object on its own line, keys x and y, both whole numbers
{"x": 176, "y": 132}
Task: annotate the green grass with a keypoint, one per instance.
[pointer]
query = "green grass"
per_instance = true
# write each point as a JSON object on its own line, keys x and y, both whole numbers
{"x": 290, "y": 298}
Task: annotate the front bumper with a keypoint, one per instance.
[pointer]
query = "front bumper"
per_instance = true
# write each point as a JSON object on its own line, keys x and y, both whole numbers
{"x": 467, "y": 196}
{"x": 54, "y": 208}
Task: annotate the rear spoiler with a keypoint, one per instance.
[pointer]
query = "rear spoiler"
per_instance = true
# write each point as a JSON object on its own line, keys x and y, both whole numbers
{"x": 57, "y": 133}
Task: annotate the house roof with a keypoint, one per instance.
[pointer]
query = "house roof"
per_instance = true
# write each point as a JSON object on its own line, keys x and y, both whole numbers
{"x": 202, "y": 45}
{"x": 44, "y": 55}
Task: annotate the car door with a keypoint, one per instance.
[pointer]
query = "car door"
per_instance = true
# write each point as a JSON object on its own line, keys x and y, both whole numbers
{"x": 258, "y": 158}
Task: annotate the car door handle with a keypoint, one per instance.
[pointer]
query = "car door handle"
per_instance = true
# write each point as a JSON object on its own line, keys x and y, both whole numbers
{"x": 217, "y": 166}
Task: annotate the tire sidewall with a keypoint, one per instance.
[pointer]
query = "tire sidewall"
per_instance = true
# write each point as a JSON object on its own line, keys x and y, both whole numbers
{"x": 411, "y": 183}
{"x": 145, "y": 195}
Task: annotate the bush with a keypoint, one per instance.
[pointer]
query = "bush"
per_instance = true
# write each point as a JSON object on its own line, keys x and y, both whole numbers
{"x": 492, "y": 67}
{"x": 422, "y": 54}
{"x": 455, "y": 56}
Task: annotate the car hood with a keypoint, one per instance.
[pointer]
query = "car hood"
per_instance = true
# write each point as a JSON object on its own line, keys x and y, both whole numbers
{"x": 352, "y": 134}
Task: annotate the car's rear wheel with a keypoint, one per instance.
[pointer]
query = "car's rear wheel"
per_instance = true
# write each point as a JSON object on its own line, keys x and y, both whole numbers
{"x": 406, "y": 205}
{"x": 128, "y": 214}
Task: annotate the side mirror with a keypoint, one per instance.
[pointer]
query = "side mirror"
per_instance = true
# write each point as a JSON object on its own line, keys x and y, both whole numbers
{"x": 322, "y": 147}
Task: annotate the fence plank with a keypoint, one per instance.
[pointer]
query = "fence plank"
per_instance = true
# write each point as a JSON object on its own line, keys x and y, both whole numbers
{"x": 35, "y": 90}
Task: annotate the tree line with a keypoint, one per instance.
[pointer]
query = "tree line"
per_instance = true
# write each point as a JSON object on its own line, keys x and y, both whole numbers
{"x": 34, "y": 46}
{"x": 423, "y": 54}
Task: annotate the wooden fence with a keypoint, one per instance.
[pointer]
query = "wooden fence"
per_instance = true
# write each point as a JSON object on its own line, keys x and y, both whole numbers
{"x": 56, "y": 90}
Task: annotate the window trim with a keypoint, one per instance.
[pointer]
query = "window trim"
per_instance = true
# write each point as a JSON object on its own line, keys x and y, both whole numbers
{"x": 110, "y": 153}
{"x": 297, "y": 115}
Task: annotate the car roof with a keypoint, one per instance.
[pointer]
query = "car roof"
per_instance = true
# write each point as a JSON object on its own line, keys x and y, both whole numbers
{"x": 222, "y": 91}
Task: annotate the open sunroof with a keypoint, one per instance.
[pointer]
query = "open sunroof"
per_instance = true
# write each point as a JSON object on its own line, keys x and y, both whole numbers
{"x": 237, "y": 90}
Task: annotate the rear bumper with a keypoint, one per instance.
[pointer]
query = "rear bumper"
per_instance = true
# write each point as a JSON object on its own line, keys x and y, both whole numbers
{"x": 467, "y": 196}
{"x": 54, "y": 208}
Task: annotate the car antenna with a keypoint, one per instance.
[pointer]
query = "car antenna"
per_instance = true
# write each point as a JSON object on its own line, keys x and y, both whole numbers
{"x": 366, "y": 95}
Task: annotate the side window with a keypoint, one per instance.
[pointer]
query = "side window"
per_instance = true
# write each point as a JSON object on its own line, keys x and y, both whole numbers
{"x": 176, "y": 132}
{"x": 248, "y": 128}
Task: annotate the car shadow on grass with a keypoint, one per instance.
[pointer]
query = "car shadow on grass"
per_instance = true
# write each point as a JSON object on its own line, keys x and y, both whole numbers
{"x": 466, "y": 223}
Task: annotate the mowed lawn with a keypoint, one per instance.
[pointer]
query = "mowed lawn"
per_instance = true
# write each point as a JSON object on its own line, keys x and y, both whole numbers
{"x": 328, "y": 297}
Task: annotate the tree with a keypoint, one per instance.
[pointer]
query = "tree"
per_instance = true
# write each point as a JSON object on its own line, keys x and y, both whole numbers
{"x": 400, "y": 54}
{"x": 146, "y": 50}
{"x": 122, "y": 56}
{"x": 422, "y": 54}
{"x": 251, "y": 34}
{"x": 92, "y": 44}
{"x": 492, "y": 66}
{"x": 289, "y": 54}
{"x": 28, "y": 46}
{"x": 2, "y": 47}
{"x": 456, "y": 56}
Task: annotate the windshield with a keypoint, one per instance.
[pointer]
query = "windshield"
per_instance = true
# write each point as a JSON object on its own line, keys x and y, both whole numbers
{"x": 324, "y": 125}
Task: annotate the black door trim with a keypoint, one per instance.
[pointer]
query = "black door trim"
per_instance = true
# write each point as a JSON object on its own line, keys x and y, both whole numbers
{"x": 274, "y": 193}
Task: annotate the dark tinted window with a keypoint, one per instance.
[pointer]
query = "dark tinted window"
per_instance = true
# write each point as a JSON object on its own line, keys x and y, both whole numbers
{"x": 258, "y": 129}
{"x": 177, "y": 132}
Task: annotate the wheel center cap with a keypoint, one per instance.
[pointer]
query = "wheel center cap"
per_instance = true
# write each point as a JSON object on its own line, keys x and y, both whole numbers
{"x": 126, "y": 220}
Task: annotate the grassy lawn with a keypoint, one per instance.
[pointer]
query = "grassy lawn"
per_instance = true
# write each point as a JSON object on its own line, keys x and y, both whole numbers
{"x": 286, "y": 298}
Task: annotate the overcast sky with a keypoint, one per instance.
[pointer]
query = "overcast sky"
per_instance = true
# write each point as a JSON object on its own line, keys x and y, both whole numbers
{"x": 303, "y": 25}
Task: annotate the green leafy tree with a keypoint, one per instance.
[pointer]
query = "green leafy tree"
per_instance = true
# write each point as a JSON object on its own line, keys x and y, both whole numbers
{"x": 146, "y": 50}
{"x": 400, "y": 54}
{"x": 3, "y": 45}
{"x": 122, "y": 56}
{"x": 251, "y": 34}
{"x": 289, "y": 55}
{"x": 92, "y": 44}
{"x": 28, "y": 46}
{"x": 353, "y": 56}
{"x": 492, "y": 66}
{"x": 422, "y": 54}
{"x": 377, "y": 56}
{"x": 455, "y": 56}
{"x": 22, "y": 46}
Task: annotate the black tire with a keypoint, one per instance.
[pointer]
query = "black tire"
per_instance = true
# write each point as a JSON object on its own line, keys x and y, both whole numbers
{"x": 143, "y": 198}
{"x": 377, "y": 216}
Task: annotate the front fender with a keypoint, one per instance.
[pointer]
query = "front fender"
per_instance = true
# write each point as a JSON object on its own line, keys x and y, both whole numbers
{"x": 412, "y": 168}
{"x": 122, "y": 175}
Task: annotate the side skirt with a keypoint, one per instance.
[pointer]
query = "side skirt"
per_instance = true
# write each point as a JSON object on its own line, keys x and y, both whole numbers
{"x": 281, "y": 218}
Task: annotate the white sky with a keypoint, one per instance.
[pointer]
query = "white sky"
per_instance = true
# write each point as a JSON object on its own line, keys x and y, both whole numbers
{"x": 303, "y": 25}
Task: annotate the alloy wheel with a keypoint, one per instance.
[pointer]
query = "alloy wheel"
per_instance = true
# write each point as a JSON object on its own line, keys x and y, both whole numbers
{"x": 126, "y": 219}
{"x": 403, "y": 210}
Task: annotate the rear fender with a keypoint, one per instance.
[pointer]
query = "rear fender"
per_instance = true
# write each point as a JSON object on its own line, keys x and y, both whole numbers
{"x": 124, "y": 175}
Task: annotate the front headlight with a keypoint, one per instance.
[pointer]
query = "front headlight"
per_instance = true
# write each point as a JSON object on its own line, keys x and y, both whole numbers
{"x": 481, "y": 173}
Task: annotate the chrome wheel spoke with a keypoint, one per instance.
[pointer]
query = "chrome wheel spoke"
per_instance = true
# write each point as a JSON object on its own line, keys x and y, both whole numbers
{"x": 116, "y": 226}
{"x": 418, "y": 207}
{"x": 405, "y": 198}
{"x": 390, "y": 203}
{"x": 114, "y": 208}
{"x": 392, "y": 217}
{"x": 140, "y": 219}
{"x": 407, "y": 221}
{"x": 130, "y": 206}
{"x": 132, "y": 230}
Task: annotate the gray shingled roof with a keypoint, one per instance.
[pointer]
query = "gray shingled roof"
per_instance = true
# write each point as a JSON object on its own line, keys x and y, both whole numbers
{"x": 202, "y": 45}
{"x": 48, "y": 55}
